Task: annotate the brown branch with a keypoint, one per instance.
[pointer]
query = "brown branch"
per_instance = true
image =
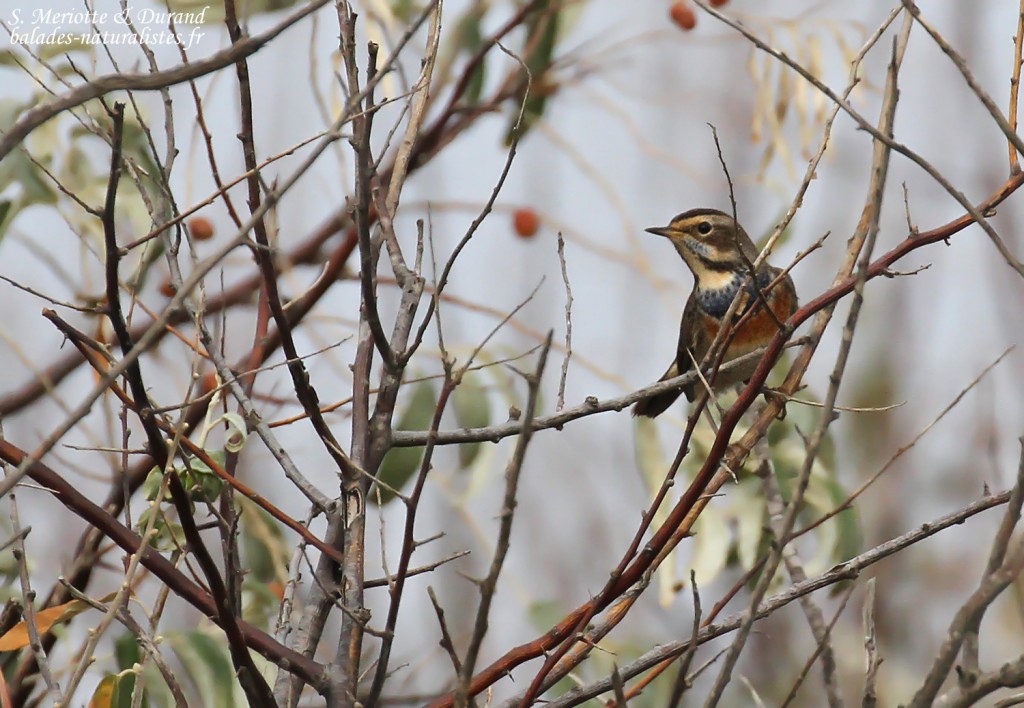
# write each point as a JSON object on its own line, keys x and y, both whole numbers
{"x": 304, "y": 389}
{"x": 125, "y": 538}
{"x": 82, "y": 342}
{"x": 846, "y": 571}
{"x": 252, "y": 681}
{"x": 1018, "y": 55}
{"x": 489, "y": 584}
{"x": 1001, "y": 570}
{"x": 362, "y": 124}
{"x": 530, "y": 650}
{"x": 408, "y": 543}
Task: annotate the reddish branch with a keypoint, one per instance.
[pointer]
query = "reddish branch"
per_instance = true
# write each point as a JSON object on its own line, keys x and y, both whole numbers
{"x": 79, "y": 340}
{"x": 242, "y": 292}
{"x": 89, "y": 544}
{"x": 554, "y": 637}
{"x": 162, "y": 568}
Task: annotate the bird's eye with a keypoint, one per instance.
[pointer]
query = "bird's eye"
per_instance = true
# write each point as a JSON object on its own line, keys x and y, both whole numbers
{"x": 704, "y": 227}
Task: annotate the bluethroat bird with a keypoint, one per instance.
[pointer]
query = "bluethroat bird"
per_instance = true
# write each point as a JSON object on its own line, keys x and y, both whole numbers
{"x": 720, "y": 254}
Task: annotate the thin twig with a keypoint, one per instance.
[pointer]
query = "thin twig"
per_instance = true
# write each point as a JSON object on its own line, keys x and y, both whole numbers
{"x": 845, "y": 571}
{"x": 682, "y": 684}
{"x": 1002, "y": 569}
{"x": 873, "y": 656}
{"x": 872, "y": 212}
{"x": 1018, "y": 56}
{"x": 823, "y": 645}
{"x": 489, "y": 584}
{"x": 568, "y": 324}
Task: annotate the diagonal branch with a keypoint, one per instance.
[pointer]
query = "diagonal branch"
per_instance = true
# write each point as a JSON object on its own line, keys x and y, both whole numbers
{"x": 846, "y": 571}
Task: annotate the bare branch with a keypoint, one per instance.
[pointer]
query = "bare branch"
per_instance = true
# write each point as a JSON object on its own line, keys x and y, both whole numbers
{"x": 848, "y": 570}
{"x": 489, "y": 584}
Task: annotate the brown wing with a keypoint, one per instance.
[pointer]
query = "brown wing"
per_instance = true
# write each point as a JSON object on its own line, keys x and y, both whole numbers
{"x": 695, "y": 339}
{"x": 692, "y": 335}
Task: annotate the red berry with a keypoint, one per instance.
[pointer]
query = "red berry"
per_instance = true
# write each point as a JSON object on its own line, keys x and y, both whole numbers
{"x": 718, "y": 3}
{"x": 526, "y": 222}
{"x": 683, "y": 15}
{"x": 167, "y": 288}
{"x": 201, "y": 228}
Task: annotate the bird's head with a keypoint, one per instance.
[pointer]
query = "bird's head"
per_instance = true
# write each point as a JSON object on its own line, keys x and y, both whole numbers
{"x": 711, "y": 242}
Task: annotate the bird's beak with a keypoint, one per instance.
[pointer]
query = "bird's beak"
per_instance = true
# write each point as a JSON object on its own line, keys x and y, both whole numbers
{"x": 659, "y": 231}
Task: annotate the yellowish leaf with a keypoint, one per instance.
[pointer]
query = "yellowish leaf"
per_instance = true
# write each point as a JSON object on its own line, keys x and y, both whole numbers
{"x": 17, "y": 637}
{"x": 103, "y": 697}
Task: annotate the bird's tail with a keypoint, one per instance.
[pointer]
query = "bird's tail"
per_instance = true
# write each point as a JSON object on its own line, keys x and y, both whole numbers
{"x": 659, "y": 403}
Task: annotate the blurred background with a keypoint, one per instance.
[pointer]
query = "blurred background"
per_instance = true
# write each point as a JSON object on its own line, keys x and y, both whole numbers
{"x": 623, "y": 143}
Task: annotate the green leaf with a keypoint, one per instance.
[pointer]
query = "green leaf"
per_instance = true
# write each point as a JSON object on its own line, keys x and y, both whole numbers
{"x": 472, "y": 410}
{"x": 151, "y": 487}
{"x": 7, "y": 212}
{"x": 198, "y": 477}
{"x": 208, "y": 666}
{"x": 127, "y": 653}
{"x": 264, "y": 548}
{"x": 542, "y": 33}
{"x": 469, "y": 39}
{"x": 168, "y": 535}
{"x": 401, "y": 463}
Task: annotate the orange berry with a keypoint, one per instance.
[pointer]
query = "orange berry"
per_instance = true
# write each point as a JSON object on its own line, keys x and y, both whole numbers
{"x": 201, "y": 228}
{"x": 526, "y": 222}
{"x": 718, "y": 3}
{"x": 683, "y": 15}
{"x": 167, "y": 288}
